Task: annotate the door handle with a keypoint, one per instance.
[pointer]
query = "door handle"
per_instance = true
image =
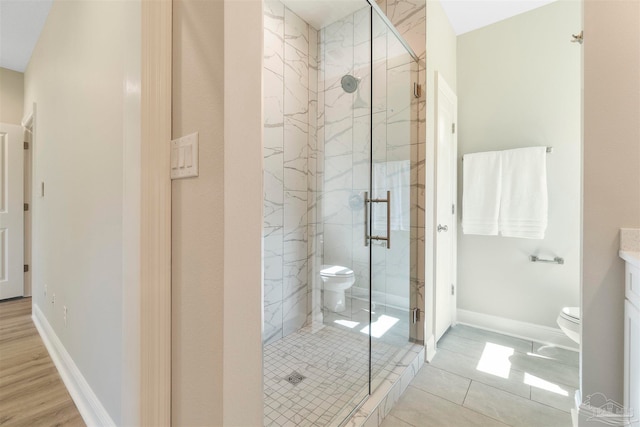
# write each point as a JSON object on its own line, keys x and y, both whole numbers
{"x": 367, "y": 238}
{"x": 442, "y": 228}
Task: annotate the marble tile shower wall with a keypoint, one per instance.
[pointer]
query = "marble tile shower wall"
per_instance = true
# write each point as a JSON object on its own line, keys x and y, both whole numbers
{"x": 317, "y": 135}
{"x": 345, "y": 121}
{"x": 290, "y": 105}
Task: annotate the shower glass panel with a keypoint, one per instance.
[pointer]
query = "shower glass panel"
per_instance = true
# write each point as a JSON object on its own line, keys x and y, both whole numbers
{"x": 340, "y": 131}
{"x": 393, "y": 169}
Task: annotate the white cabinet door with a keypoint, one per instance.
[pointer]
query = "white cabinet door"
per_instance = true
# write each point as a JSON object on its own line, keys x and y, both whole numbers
{"x": 11, "y": 211}
{"x": 632, "y": 360}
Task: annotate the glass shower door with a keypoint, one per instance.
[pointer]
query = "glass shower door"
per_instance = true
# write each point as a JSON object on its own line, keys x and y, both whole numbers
{"x": 344, "y": 121}
{"x": 394, "y": 157}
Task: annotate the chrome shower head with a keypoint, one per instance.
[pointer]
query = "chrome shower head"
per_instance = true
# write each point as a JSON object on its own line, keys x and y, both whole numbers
{"x": 349, "y": 83}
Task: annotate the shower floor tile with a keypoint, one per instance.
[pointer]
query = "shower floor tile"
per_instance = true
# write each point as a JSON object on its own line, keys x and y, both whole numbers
{"x": 335, "y": 364}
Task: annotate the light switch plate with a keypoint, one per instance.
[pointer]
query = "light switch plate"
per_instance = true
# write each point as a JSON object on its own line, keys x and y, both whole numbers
{"x": 184, "y": 156}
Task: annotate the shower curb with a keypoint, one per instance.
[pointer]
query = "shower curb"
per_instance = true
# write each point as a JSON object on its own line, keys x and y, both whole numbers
{"x": 380, "y": 403}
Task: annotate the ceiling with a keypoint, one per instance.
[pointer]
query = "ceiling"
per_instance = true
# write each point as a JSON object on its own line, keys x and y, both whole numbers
{"x": 469, "y": 15}
{"x": 319, "y": 14}
{"x": 21, "y": 21}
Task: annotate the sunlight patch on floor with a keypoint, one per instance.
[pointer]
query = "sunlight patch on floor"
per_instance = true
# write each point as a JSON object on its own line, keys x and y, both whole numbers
{"x": 495, "y": 360}
{"x": 348, "y": 323}
{"x": 534, "y": 381}
{"x": 380, "y": 326}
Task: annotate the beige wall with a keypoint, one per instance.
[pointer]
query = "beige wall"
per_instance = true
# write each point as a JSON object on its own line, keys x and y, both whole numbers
{"x": 197, "y": 215}
{"x": 611, "y": 183}
{"x": 11, "y": 96}
{"x": 217, "y": 217}
{"x": 441, "y": 58}
{"x": 84, "y": 71}
{"x": 243, "y": 157}
{"x": 520, "y": 87}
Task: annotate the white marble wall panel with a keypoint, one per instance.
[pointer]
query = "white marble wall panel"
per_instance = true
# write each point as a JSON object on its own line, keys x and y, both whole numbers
{"x": 273, "y": 266}
{"x": 272, "y": 330}
{"x": 295, "y": 154}
{"x": 378, "y": 272}
{"x": 338, "y": 51}
{"x": 294, "y": 311}
{"x": 273, "y": 169}
{"x": 398, "y": 265}
{"x": 290, "y": 162}
{"x": 273, "y": 36}
{"x": 295, "y": 226}
{"x": 295, "y": 274}
{"x": 361, "y": 153}
{"x": 338, "y": 130}
{"x": 337, "y": 244}
{"x": 400, "y": 117}
{"x": 296, "y": 88}
{"x": 296, "y": 32}
{"x": 409, "y": 17}
{"x": 274, "y": 113}
{"x": 273, "y": 177}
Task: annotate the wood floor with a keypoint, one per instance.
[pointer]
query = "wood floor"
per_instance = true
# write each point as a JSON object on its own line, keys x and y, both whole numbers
{"x": 31, "y": 390}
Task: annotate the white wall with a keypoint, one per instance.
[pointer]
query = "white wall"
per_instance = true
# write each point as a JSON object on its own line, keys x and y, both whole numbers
{"x": 519, "y": 86}
{"x": 11, "y": 96}
{"x": 611, "y": 183}
{"x": 84, "y": 66}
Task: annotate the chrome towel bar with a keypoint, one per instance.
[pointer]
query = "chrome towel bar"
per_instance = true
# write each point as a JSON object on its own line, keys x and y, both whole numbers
{"x": 556, "y": 260}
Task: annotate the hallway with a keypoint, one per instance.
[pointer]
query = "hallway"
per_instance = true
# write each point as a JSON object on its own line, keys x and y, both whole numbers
{"x": 31, "y": 390}
{"x": 481, "y": 378}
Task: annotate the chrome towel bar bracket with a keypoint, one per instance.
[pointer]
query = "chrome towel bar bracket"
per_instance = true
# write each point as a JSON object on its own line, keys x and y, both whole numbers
{"x": 556, "y": 260}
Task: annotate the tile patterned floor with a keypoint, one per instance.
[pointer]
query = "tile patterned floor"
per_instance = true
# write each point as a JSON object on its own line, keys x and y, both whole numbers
{"x": 336, "y": 366}
{"x": 481, "y": 378}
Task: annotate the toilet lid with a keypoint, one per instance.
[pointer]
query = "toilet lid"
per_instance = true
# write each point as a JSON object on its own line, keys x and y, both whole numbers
{"x": 335, "y": 271}
{"x": 571, "y": 313}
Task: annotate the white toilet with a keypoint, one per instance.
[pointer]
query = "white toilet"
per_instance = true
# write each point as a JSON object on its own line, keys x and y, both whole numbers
{"x": 569, "y": 322}
{"x": 335, "y": 280}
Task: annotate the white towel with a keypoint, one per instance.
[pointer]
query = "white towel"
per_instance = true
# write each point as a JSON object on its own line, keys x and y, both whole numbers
{"x": 394, "y": 176}
{"x": 524, "y": 203}
{"x": 481, "y": 181}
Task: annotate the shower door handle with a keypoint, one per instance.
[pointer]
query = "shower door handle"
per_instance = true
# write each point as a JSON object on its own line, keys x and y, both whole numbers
{"x": 366, "y": 217}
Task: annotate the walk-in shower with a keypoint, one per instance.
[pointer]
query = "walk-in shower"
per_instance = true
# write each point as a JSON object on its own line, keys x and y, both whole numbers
{"x": 342, "y": 229}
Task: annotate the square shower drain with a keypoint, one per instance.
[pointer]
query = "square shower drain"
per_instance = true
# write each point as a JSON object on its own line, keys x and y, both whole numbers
{"x": 295, "y": 378}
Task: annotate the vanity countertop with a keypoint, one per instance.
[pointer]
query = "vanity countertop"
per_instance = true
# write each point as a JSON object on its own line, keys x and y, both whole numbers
{"x": 632, "y": 257}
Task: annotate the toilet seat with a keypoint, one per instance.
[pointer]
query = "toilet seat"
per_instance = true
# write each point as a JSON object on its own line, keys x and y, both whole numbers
{"x": 569, "y": 322}
{"x": 335, "y": 271}
{"x": 571, "y": 314}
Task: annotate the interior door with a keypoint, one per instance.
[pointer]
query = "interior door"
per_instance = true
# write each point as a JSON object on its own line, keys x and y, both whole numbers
{"x": 11, "y": 211}
{"x": 446, "y": 224}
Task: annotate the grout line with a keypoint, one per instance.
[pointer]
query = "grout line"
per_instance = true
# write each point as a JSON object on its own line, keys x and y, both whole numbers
{"x": 467, "y": 393}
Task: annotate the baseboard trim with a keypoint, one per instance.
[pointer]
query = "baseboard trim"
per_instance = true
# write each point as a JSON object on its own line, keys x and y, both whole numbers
{"x": 88, "y": 404}
{"x": 430, "y": 347}
{"x": 516, "y": 328}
